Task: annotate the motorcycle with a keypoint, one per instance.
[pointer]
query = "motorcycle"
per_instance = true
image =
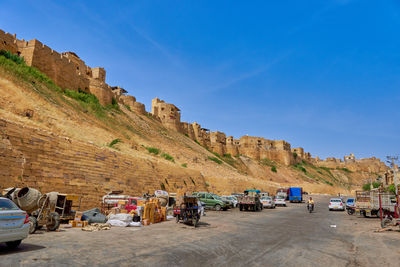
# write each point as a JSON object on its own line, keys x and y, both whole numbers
{"x": 350, "y": 210}
{"x": 310, "y": 207}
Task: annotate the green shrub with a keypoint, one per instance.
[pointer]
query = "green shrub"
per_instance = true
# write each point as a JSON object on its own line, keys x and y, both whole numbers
{"x": 366, "y": 187}
{"x": 325, "y": 169}
{"x": 267, "y": 162}
{"x": 215, "y": 160}
{"x": 273, "y": 168}
{"x": 216, "y": 154}
{"x": 26, "y": 73}
{"x": 114, "y": 142}
{"x": 197, "y": 142}
{"x": 300, "y": 167}
{"x": 376, "y": 184}
{"x": 153, "y": 150}
{"x": 167, "y": 157}
{"x": 184, "y": 165}
{"x": 344, "y": 169}
{"x": 228, "y": 159}
{"x": 207, "y": 184}
{"x": 391, "y": 188}
{"x": 128, "y": 107}
{"x": 13, "y": 57}
{"x": 295, "y": 155}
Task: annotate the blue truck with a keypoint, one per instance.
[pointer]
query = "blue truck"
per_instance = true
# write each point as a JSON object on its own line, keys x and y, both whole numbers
{"x": 295, "y": 194}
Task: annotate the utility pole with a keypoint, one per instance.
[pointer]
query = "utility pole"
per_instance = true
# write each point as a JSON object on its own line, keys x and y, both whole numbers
{"x": 391, "y": 160}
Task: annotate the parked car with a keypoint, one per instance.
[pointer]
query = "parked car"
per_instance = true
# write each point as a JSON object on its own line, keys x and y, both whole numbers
{"x": 336, "y": 204}
{"x": 280, "y": 201}
{"x": 212, "y": 201}
{"x": 232, "y": 199}
{"x": 268, "y": 202}
{"x": 14, "y": 223}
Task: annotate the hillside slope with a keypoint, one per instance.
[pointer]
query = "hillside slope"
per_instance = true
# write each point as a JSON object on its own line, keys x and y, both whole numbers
{"x": 66, "y": 141}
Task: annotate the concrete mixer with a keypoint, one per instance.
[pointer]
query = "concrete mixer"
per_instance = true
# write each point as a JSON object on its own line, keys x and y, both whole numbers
{"x": 41, "y": 208}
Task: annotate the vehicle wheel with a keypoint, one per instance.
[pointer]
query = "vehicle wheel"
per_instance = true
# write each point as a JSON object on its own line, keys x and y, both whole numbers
{"x": 53, "y": 221}
{"x": 32, "y": 224}
{"x": 330, "y": 209}
{"x": 350, "y": 211}
{"x": 240, "y": 207}
{"x": 284, "y": 205}
{"x": 217, "y": 207}
{"x": 13, "y": 244}
{"x": 274, "y": 207}
{"x": 386, "y": 222}
{"x": 365, "y": 214}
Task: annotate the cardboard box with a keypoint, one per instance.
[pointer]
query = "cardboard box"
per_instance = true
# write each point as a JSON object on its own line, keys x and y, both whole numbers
{"x": 78, "y": 216}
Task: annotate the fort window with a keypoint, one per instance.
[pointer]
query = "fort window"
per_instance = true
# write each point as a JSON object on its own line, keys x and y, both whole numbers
{"x": 77, "y": 68}
{"x": 4, "y": 42}
{"x": 162, "y": 109}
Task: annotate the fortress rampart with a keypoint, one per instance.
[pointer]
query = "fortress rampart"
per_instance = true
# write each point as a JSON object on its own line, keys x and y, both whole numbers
{"x": 48, "y": 162}
{"x": 66, "y": 69}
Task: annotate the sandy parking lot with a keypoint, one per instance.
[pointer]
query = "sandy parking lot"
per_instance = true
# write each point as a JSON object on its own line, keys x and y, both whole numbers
{"x": 284, "y": 236}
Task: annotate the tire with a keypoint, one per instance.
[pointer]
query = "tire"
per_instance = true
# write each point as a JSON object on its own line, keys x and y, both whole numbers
{"x": 350, "y": 211}
{"x": 53, "y": 221}
{"x": 218, "y": 207}
{"x": 240, "y": 207}
{"x": 33, "y": 225}
{"x": 365, "y": 214}
{"x": 386, "y": 222}
{"x": 284, "y": 205}
{"x": 13, "y": 244}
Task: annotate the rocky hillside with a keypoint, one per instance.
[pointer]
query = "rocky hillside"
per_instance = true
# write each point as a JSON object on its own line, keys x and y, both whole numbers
{"x": 61, "y": 140}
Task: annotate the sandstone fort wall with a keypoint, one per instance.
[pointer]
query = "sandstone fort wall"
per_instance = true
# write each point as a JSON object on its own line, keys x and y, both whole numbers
{"x": 43, "y": 160}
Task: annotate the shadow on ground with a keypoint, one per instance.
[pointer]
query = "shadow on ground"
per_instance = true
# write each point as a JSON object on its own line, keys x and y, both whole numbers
{"x": 24, "y": 247}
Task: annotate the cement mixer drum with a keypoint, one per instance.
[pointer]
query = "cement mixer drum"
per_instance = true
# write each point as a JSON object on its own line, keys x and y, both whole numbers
{"x": 27, "y": 199}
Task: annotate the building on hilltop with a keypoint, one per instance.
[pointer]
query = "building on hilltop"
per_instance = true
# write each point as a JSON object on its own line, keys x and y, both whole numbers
{"x": 218, "y": 142}
{"x": 299, "y": 152}
{"x": 169, "y": 114}
{"x": 66, "y": 69}
{"x": 350, "y": 158}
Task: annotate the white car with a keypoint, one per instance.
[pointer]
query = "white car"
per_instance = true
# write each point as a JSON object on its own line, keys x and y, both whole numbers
{"x": 231, "y": 199}
{"x": 14, "y": 223}
{"x": 268, "y": 202}
{"x": 336, "y": 204}
{"x": 280, "y": 201}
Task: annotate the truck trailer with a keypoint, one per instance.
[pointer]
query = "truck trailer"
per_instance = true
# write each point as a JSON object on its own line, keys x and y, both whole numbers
{"x": 295, "y": 194}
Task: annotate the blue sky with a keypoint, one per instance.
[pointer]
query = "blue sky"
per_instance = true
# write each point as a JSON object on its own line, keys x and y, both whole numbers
{"x": 323, "y": 75}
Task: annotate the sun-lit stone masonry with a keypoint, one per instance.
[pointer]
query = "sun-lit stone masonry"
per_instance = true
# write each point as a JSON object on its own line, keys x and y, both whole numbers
{"x": 169, "y": 114}
{"x": 351, "y": 163}
{"x": 66, "y": 69}
{"x": 218, "y": 142}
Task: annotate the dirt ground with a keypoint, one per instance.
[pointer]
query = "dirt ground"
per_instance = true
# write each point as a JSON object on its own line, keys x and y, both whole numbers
{"x": 280, "y": 237}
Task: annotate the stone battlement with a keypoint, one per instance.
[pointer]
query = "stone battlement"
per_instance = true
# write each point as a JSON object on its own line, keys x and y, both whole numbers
{"x": 66, "y": 69}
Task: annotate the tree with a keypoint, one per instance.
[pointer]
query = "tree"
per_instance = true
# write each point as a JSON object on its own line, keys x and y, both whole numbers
{"x": 366, "y": 187}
